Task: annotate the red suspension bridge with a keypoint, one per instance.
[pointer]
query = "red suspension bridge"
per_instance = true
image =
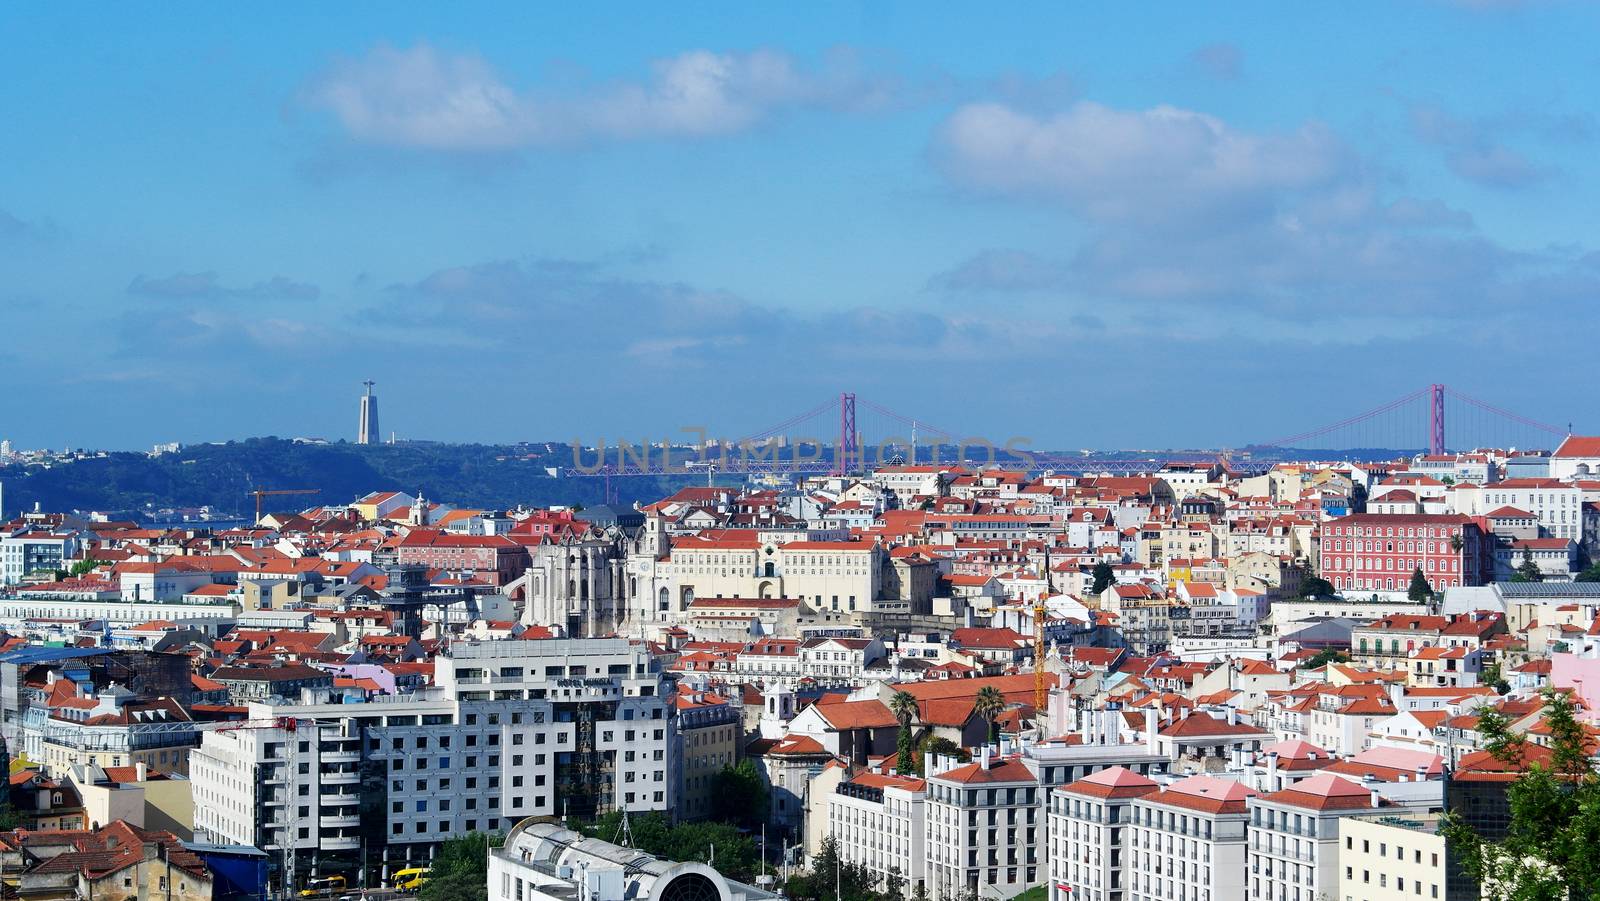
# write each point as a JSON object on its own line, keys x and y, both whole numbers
{"x": 847, "y": 434}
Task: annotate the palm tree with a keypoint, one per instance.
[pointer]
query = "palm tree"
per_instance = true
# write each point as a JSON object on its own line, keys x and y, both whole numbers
{"x": 989, "y": 703}
{"x": 904, "y": 707}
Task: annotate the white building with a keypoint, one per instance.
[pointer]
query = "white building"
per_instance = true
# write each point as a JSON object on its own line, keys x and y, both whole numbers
{"x": 1294, "y": 836}
{"x": 1089, "y": 835}
{"x": 984, "y": 822}
{"x": 1391, "y": 857}
{"x": 1188, "y": 842}
{"x": 511, "y": 729}
{"x": 879, "y": 821}
{"x": 1557, "y": 505}
{"x": 28, "y": 551}
{"x": 547, "y": 862}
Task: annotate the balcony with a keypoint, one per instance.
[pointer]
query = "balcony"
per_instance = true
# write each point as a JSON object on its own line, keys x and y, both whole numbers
{"x": 340, "y": 842}
{"x": 338, "y": 820}
{"x": 341, "y": 755}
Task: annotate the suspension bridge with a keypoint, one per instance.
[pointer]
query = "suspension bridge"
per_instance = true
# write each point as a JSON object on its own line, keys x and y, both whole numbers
{"x": 848, "y": 434}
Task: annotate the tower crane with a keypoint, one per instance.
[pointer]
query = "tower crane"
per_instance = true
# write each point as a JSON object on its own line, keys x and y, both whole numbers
{"x": 1041, "y": 694}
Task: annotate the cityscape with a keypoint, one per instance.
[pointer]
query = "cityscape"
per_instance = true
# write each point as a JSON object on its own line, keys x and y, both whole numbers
{"x": 854, "y": 452}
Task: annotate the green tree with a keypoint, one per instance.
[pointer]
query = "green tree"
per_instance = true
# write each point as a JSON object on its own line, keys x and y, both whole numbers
{"x": 1528, "y": 570}
{"x": 1420, "y": 591}
{"x": 1493, "y": 678}
{"x": 904, "y": 707}
{"x": 988, "y": 704}
{"x": 741, "y": 795}
{"x": 1313, "y": 585}
{"x": 460, "y": 871}
{"x": 84, "y": 567}
{"x": 894, "y": 885}
{"x": 736, "y": 857}
{"x": 1590, "y": 573}
{"x": 1103, "y": 575}
{"x": 1327, "y": 656}
{"x": 934, "y": 744}
{"x": 1552, "y": 844}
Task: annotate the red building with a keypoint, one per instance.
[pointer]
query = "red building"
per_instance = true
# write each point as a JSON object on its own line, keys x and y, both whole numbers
{"x": 1378, "y": 552}
{"x": 495, "y": 559}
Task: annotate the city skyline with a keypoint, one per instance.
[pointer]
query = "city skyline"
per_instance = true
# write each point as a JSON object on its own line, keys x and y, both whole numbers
{"x": 213, "y": 224}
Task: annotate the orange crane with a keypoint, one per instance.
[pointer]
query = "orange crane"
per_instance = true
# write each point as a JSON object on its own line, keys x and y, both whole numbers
{"x": 260, "y": 493}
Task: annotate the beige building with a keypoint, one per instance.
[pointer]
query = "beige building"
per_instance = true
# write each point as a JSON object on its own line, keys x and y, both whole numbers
{"x": 1391, "y": 857}
{"x": 840, "y": 576}
{"x": 709, "y": 733}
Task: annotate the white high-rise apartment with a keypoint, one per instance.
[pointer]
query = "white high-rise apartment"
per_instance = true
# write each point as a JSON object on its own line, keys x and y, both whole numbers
{"x": 984, "y": 822}
{"x": 1188, "y": 842}
{"x": 879, "y": 821}
{"x": 1089, "y": 831}
{"x": 512, "y": 729}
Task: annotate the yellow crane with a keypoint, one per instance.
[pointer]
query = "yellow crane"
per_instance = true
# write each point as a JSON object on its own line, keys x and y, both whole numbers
{"x": 260, "y": 493}
{"x": 1041, "y": 694}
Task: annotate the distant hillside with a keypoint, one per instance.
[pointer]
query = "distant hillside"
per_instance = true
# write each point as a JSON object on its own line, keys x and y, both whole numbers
{"x": 219, "y": 475}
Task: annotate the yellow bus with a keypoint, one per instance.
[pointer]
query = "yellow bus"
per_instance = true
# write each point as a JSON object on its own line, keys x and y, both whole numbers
{"x": 323, "y": 885}
{"x": 409, "y": 879}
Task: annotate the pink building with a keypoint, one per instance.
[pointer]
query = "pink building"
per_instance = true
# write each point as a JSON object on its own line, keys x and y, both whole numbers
{"x": 1375, "y": 552}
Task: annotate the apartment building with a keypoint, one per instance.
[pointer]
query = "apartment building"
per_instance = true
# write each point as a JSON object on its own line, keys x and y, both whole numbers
{"x": 1295, "y": 837}
{"x": 284, "y": 785}
{"x": 1391, "y": 857}
{"x": 984, "y": 822}
{"x": 511, "y": 729}
{"x": 1089, "y": 822}
{"x": 708, "y": 736}
{"x": 115, "y": 727}
{"x": 1557, "y": 505}
{"x": 1377, "y": 552}
{"x": 1188, "y": 841}
{"x": 35, "y": 552}
{"x": 878, "y": 821}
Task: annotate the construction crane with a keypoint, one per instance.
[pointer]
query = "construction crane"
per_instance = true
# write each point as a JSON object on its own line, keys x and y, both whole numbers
{"x": 1041, "y": 693}
{"x": 260, "y": 493}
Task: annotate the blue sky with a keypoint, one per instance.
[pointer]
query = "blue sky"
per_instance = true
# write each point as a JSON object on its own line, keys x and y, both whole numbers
{"x": 1095, "y": 224}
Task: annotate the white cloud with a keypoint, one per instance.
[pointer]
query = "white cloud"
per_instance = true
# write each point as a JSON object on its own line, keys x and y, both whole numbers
{"x": 1152, "y": 166}
{"x": 423, "y": 97}
{"x": 1181, "y": 208}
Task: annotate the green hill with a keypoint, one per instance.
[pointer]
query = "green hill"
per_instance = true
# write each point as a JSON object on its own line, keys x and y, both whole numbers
{"x": 219, "y": 475}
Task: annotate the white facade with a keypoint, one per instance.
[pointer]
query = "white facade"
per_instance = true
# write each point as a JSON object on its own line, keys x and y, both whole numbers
{"x": 513, "y": 729}
{"x": 879, "y": 822}
{"x": 984, "y": 826}
{"x": 1391, "y": 858}
{"x": 1186, "y": 846}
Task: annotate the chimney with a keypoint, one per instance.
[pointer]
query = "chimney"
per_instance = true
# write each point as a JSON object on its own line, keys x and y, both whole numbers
{"x": 140, "y": 771}
{"x": 1272, "y": 771}
{"x": 1150, "y": 731}
{"x": 1422, "y": 773}
{"x": 1377, "y": 800}
{"x": 983, "y": 760}
{"x": 1233, "y": 715}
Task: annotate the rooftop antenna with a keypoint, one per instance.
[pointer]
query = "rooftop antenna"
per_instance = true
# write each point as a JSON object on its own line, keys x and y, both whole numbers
{"x": 625, "y": 830}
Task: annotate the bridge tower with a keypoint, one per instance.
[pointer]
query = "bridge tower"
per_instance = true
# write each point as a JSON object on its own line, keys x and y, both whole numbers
{"x": 847, "y": 450}
{"x": 1436, "y": 419}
